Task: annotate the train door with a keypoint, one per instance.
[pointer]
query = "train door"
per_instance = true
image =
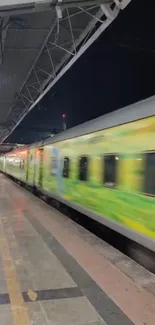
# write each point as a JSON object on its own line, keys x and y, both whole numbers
{"x": 4, "y": 164}
{"x": 56, "y": 169}
{"x": 31, "y": 167}
{"x": 41, "y": 167}
{"x": 38, "y": 173}
{"x": 34, "y": 166}
{"x": 27, "y": 165}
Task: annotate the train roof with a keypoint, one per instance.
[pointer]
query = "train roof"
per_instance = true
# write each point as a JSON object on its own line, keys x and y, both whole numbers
{"x": 136, "y": 111}
{"x": 139, "y": 110}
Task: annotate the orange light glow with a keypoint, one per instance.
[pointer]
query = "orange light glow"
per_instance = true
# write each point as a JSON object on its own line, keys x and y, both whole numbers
{"x": 24, "y": 152}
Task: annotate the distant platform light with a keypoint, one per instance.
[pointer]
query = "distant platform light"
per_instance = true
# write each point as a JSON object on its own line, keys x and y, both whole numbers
{"x": 24, "y": 152}
{"x": 63, "y": 115}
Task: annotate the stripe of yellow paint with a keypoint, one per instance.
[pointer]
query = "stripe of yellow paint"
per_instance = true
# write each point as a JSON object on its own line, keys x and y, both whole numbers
{"x": 137, "y": 226}
{"x": 18, "y": 307}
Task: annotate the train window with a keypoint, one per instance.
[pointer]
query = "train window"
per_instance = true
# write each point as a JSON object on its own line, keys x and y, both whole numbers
{"x": 83, "y": 169}
{"x": 66, "y": 167}
{"x": 22, "y": 164}
{"x": 109, "y": 175}
{"x": 149, "y": 174}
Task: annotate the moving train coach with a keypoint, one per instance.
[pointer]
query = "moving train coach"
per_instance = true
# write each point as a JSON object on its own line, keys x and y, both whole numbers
{"x": 104, "y": 168}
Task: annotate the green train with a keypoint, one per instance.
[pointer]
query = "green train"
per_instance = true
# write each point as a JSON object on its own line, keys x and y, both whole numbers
{"x": 104, "y": 168}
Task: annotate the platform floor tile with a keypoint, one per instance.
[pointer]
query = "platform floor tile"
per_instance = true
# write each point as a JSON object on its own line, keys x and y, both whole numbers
{"x": 57, "y": 273}
{"x": 6, "y": 315}
{"x": 77, "y": 311}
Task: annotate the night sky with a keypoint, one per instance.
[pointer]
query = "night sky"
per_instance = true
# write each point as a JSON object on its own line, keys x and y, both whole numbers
{"x": 117, "y": 70}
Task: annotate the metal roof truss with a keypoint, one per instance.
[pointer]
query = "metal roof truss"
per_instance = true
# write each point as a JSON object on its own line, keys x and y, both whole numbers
{"x": 74, "y": 27}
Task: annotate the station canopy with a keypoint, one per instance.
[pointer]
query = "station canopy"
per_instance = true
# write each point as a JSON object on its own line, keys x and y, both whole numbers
{"x": 40, "y": 40}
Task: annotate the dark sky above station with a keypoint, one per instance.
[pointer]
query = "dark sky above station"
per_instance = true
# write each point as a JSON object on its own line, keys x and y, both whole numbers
{"x": 117, "y": 70}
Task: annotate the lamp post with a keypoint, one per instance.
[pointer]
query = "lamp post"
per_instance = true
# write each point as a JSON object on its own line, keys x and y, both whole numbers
{"x": 64, "y": 121}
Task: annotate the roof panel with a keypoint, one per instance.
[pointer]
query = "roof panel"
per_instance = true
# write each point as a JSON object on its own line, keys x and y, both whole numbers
{"x": 32, "y": 20}
{"x": 12, "y": 74}
{"x": 4, "y": 104}
{"x": 25, "y": 38}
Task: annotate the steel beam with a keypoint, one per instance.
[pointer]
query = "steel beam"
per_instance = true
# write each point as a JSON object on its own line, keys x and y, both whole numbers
{"x": 17, "y": 7}
{"x": 3, "y": 32}
{"x": 122, "y": 3}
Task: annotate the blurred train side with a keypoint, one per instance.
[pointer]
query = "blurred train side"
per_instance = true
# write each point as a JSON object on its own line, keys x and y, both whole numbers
{"x": 106, "y": 173}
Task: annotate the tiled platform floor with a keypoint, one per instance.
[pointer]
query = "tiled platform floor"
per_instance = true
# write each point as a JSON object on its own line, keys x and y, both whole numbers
{"x": 54, "y": 272}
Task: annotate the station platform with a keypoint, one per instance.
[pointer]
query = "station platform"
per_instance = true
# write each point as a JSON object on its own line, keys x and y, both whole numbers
{"x": 54, "y": 272}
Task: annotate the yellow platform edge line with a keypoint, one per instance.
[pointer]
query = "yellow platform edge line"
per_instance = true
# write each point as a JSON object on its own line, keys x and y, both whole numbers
{"x": 18, "y": 306}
